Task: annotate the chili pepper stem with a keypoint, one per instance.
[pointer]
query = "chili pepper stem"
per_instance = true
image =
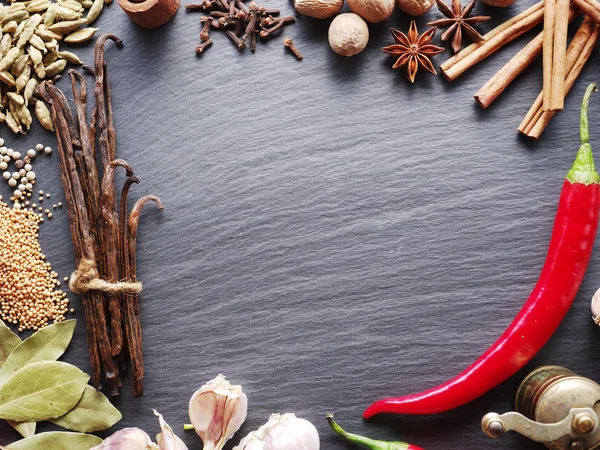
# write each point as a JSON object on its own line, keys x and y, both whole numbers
{"x": 188, "y": 426}
{"x": 367, "y": 442}
{"x": 584, "y": 170}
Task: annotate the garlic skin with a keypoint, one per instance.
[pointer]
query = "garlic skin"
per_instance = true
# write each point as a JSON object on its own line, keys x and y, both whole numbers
{"x": 282, "y": 432}
{"x": 127, "y": 439}
{"x": 217, "y": 410}
{"x": 596, "y": 307}
{"x": 167, "y": 440}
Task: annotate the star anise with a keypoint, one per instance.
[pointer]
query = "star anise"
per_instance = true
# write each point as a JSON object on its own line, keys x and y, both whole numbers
{"x": 459, "y": 22}
{"x": 413, "y": 50}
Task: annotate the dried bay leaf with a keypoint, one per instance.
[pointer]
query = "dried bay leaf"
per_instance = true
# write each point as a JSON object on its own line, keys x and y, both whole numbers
{"x": 8, "y": 342}
{"x": 56, "y": 440}
{"x": 42, "y": 391}
{"x": 46, "y": 344}
{"x": 25, "y": 429}
{"x": 93, "y": 412}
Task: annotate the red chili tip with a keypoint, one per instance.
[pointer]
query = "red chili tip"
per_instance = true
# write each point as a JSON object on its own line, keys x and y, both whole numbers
{"x": 413, "y": 447}
{"x": 373, "y": 410}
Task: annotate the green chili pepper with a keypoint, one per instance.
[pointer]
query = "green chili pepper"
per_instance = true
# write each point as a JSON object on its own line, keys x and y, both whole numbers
{"x": 367, "y": 442}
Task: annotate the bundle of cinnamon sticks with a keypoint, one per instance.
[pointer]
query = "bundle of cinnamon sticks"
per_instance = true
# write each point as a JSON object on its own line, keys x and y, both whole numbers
{"x": 561, "y": 64}
{"x": 104, "y": 236}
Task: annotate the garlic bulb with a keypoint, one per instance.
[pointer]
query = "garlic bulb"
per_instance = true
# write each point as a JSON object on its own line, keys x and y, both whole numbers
{"x": 596, "y": 307}
{"x": 167, "y": 440}
{"x": 217, "y": 410}
{"x": 127, "y": 439}
{"x": 282, "y": 432}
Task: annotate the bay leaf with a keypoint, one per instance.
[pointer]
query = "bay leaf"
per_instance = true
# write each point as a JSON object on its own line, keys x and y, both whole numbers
{"x": 56, "y": 440}
{"x": 25, "y": 429}
{"x": 8, "y": 342}
{"x": 46, "y": 344}
{"x": 93, "y": 412}
{"x": 42, "y": 391}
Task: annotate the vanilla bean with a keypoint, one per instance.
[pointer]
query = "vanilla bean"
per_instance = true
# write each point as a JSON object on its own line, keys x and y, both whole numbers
{"x": 86, "y": 157}
{"x": 96, "y": 218}
{"x": 110, "y": 240}
{"x": 98, "y": 339}
{"x": 133, "y": 300}
{"x": 123, "y": 272}
{"x": 106, "y": 148}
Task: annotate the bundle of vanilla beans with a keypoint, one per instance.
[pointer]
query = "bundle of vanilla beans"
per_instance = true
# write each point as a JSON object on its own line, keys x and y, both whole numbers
{"x": 562, "y": 63}
{"x": 104, "y": 236}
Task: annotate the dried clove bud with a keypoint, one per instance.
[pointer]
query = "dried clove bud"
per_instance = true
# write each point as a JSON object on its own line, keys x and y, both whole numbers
{"x": 239, "y": 43}
{"x": 204, "y": 34}
{"x": 200, "y": 48}
{"x": 287, "y": 43}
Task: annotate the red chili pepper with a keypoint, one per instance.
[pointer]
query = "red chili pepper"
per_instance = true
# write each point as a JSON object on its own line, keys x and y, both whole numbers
{"x": 568, "y": 256}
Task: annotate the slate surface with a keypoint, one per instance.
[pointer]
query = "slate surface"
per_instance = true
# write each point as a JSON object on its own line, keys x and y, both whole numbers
{"x": 332, "y": 234}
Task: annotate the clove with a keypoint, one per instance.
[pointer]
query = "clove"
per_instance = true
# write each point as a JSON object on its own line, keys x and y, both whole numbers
{"x": 287, "y": 43}
{"x": 204, "y": 34}
{"x": 195, "y": 7}
{"x": 239, "y": 43}
{"x": 200, "y": 48}
{"x": 240, "y": 22}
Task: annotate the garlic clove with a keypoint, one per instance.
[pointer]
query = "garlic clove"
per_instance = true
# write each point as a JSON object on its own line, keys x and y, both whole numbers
{"x": 596, "y": 307}
{"x": 167, "y": 440}
{"x": 217, "y": 410}
{"x": 282, "y": 432}
{"x": 127, "y": 439}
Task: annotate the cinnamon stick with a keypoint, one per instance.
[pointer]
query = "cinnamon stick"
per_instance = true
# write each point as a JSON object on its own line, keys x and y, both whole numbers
{"x": 556, "y": 26}
{"x": 590, "y": 8}
{"x": 495, "y": 39}
{"x": 513, "y": 68}
{"x": 578, "y": 54}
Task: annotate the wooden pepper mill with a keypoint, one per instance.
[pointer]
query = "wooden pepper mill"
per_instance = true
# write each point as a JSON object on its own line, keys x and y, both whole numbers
{"x": 150, "y": 13}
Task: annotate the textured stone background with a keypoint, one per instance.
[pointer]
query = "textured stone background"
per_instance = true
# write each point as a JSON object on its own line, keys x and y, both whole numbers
{"x": 332, "y": 234}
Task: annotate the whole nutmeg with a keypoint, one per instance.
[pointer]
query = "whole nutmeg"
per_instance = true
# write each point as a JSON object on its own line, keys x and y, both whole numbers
{"x": 348, "y": 34}
{"x": 372, "y": 10}
{"x": 415, "y": 7}
{"x": 319, "y": 9}
{"x": 499, "y": 3}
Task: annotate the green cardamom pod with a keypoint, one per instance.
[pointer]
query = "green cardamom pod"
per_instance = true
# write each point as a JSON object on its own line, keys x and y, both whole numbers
{"x": 43, "y": 115}
{"x": 82, "y": 35}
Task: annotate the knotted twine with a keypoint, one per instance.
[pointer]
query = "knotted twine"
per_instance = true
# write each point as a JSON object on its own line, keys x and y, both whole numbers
{"x": 85, "y": 278}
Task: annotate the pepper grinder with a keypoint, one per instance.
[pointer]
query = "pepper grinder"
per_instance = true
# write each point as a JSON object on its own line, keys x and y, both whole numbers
{"x": 555, "y": 407}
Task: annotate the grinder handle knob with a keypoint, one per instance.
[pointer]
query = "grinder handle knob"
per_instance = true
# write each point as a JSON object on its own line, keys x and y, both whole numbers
{"x": 579, "y": 422}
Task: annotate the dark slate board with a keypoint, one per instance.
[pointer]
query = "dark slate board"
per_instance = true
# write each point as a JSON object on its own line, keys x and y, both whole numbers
{"x": 332, "y": 234}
